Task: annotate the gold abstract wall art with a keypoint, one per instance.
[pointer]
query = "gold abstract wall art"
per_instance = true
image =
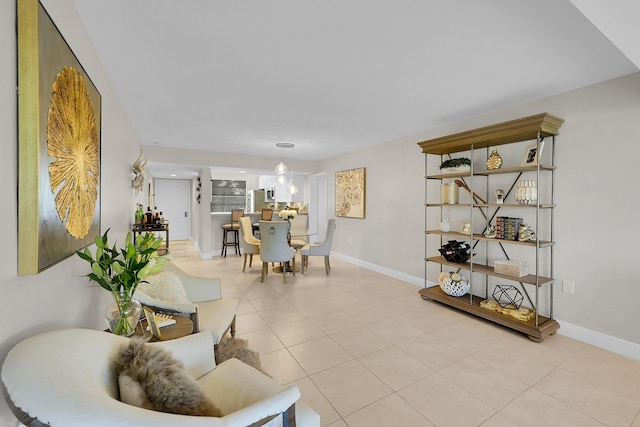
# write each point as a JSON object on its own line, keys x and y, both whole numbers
{"x": 351, "y": 193}
{"x": 72, "y": 140}
{"x": 59, "y": 119}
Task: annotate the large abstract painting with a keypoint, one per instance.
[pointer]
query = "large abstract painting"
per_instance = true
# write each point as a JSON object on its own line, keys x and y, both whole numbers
{"x": 59, "y": 112}
{"x": 351, "y": 193}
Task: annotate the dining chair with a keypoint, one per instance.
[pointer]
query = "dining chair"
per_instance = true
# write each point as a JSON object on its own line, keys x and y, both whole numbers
{"x": 320, "y": 248}
{"x": 248, "y": 243}
{"x": 265, "y": 215}
{"x": 274, "y": 247}
{"x": 299, "y": 232}
{"x": 232, "y": 228}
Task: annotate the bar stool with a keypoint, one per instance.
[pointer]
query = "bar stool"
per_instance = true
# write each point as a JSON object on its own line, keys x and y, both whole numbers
{"x": 266, "y": 215}
{"x": 232, "y": 227}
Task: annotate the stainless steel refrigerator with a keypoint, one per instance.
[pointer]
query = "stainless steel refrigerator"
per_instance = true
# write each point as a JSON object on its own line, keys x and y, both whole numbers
{"x": 255, "y": 200}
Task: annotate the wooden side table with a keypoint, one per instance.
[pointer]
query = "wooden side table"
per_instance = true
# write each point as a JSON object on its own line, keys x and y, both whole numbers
{"x": 181, "y": 328}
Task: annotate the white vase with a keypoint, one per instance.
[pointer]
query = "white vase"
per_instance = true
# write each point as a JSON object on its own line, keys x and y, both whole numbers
{"x": 527, "y": 193}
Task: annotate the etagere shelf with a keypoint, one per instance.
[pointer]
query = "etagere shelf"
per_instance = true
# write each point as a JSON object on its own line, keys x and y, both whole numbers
{"x": 536, "y": 128}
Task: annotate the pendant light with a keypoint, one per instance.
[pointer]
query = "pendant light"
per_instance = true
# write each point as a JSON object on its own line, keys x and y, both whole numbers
{"x": 281, "y": 169}
{"x": 293, "y": 189}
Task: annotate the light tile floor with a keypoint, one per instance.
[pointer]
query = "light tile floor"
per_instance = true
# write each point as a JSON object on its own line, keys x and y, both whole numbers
{"x": 366, "y": 350}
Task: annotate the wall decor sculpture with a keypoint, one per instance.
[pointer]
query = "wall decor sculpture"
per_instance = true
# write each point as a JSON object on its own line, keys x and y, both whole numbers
{"x": 59, "y": 112}
{"x": 351, "y": 193}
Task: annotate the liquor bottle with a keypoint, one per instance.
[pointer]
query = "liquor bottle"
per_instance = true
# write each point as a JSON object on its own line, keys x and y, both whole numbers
{"x": 149, "y": 217}
{"x": 139, "y": 215}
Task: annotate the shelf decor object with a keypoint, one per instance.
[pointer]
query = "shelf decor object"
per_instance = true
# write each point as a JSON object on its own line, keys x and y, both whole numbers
{"x": 449, "y": 193}
{"x": 507, "y": 295}
{"x": 454, "y": 284}
{"x": 460, "y": 165}
{"x": 527, "y": 193}
{"x": 494, "y": 161}
{"x": 535, "y": 280}
{"x": 455, "y": 251}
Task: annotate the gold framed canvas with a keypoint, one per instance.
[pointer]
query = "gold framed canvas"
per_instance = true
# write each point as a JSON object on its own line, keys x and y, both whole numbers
{"x": 351, "y": 193}
{"x": 59, "y": 111}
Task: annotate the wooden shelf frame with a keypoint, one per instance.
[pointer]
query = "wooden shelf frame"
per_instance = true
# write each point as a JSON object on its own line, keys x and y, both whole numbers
{"x": 530, "y": 279}
{"x": 546, "y": 326}
{"x": 536, "y": 127}
{"x": 461, "y": 236}
{"x": 524, "y": 129}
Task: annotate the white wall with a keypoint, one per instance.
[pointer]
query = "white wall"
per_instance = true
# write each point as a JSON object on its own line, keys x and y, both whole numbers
{"x": 58, "y": 297}
{"x": 597, "y": 195}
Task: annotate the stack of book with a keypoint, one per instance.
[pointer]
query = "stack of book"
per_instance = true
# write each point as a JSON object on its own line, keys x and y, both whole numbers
{"x": 507, "y": 227}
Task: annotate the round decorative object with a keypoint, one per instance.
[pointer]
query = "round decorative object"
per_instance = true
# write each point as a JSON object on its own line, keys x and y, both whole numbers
{"x": 527, "y": 193}
{"x": 494, "y": 161}
{"x": 454, "y": 284}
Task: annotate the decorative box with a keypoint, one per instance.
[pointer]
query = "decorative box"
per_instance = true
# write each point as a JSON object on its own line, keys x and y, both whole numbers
{"x": 511, "y": 267}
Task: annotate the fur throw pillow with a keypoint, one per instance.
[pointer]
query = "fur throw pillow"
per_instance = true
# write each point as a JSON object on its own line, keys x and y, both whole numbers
{"x": 151, "y": 378}
{"x": 165, "y": 286}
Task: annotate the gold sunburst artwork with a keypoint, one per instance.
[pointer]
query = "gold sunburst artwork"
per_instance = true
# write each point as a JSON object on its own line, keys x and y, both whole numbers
{"x": 72, "y": 139}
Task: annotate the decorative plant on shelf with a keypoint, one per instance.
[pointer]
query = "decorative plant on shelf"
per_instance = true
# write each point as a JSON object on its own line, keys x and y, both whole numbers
{"x": 120, "y": 272}
{"x": 455, "y": 163}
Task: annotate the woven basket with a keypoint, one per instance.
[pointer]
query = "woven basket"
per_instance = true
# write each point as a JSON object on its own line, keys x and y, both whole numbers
{"x": 455, "y": 288}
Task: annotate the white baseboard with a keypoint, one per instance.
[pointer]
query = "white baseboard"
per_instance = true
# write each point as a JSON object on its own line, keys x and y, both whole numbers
{"x": 598, "y": 339}
{"x": 418, "y": 281}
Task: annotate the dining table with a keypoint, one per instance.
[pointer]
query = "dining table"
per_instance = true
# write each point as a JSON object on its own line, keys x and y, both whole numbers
{"x": 298, "y": 240}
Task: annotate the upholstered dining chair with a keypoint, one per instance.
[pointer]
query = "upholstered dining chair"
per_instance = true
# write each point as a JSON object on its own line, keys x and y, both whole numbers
{"x": 233, "y": 227}
{"x": 274, "y": 247}
{"x": 320, "y": 248}
{"x": 265, "y": 215}
{"x": 248, "y": 243}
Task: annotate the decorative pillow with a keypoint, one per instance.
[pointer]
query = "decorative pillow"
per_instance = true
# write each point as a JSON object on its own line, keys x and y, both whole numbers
{"x": 149, "y": 377}
{"x": 165, "y": 286}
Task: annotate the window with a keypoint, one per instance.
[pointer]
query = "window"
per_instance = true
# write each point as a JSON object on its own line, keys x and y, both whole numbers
{"x": 227, "y": 195}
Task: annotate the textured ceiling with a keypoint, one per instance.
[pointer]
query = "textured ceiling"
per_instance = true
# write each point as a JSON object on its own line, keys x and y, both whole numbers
{"x": 334, "y": 76}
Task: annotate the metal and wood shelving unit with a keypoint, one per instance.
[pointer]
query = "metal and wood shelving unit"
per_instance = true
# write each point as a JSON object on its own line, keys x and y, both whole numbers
{"x": 534, "y": 128}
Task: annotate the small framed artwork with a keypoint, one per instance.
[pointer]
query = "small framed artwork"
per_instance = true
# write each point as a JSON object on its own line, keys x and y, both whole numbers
{"x": 153, "y": 326}
{"x": 531, "y": 154}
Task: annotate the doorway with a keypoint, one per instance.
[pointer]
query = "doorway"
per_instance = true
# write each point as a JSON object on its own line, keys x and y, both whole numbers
{"x": 318, "y": 205}
{"x": 173, "y": 198}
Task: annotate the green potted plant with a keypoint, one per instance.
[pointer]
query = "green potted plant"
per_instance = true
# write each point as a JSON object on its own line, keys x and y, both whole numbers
{"x": 120, "y": 272}
{"x": 462, "y": 164}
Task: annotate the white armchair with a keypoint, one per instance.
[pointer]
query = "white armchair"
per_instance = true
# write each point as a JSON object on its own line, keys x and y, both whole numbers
{"x": 176, "y": 292}
{"x": 67, "y": 378}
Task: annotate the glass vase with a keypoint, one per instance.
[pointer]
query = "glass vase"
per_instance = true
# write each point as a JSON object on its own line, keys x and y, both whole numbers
{"x": 123, "y": 314}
